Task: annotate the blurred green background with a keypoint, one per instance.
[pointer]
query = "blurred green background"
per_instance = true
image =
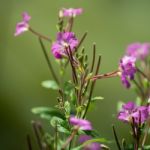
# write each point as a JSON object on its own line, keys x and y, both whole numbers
{"x": 112, "y": 24}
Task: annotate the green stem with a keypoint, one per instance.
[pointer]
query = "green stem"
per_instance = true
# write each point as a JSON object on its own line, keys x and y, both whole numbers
{"x": 81, "y": 40}
{"x": 70, "y": 138}
{"x": 48, "y": 61}
{"x": 92, "y": 87}
{"x": 116, "y": 138}
{"x": 145, "y": 135}
{"x": 142, "y": 73}
{"x": 40, "y": 35}
{"x": 29, "y": 142}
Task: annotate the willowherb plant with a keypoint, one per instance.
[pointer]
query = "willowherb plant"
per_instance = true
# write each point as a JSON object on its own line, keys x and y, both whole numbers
{"x": 69, "y": 117}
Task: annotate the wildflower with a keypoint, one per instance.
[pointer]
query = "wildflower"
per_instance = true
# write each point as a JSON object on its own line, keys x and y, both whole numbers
{"x": 91, "y": 146}
{"x": 130, "y": 111}
{"x": 64, "y": 40}
{"x": 138, "y": 50}
{"x": 71, "y": 12}
{"x": 127, "y": 68}
{"x": 23, "y": 25}
{"x": 81, "y": 123}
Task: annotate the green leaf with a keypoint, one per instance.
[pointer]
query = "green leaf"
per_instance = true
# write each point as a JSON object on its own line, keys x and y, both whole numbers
{"x": 92, "y": 133}
{"x": 97, "y": 98}
{"x": 147, "y": 147}
{"x": 50, "y": 84}
{"x": 47, "y": 112}
{"x": 97, "y": 140}
{"x": 61, "y": 125}
{"x": 56, "y": 120}
{"x": 68, "y": 87}
{"x": 78, "y": 147}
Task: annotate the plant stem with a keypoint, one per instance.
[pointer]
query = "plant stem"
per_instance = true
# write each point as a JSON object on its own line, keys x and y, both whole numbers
{"x": 69, "y": 53}
{"x": 92, "y": 66}
{"x": 37, "y": 134}
{"x": 29, "y": 142}
{"x": 93, "y": 60}
{"x": 48, "y": 61}
{"x": 142, "y": 73}
{"x": 92, "y": 87}
{"x": 81, "y": 40}
{"x": 69, "y": 139}
{"x": 116, "y": 138}
{"x": 106, "y": 75}
{"x": 40, "y": 35}
{"x": 145, "y": 135}
{"x": 69, "y": 25}
{"x": 56, "y": 138}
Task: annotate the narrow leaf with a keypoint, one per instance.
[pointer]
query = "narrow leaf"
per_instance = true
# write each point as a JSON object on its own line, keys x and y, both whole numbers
{"x": 50, "y": 84}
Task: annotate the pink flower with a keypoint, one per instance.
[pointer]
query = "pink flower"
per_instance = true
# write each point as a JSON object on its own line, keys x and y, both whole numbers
{"x": 138, "y": 50}
{"x": 128, "y": 69}
{"x": 64, "y": 39}
{"x": 81, "y": 123}
{"x": 130, "y": 110}
{"x": 23, "y": 25}
{"x": 71, "y": 12}
{"x": 91, "y": 146}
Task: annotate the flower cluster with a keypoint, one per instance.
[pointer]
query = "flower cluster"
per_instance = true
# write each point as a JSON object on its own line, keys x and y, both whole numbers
{"x": 130, "y": 112}
{"x": 65, "y": 40}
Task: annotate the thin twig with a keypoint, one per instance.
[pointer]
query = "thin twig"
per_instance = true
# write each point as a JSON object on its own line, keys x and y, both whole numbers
{"x": 142, "y": 73}
{"x": 56, "y": 137}
{"x": 83, "y": 80}
{"x": 106, "y": 75}
{"x": 92, "y": 87}
{"x": 116, "y": 138}
{"x": 40, "y": 35}
{"x": 92, "y": 66}
{"x": 70, "y": 24}
{"x": 93, "y": 60}
{"x": 69, "y": 139}
{"x": 48, "y": 61}
{"x": 29, "y": 142}
{"x": 81, "y": 40}
{"x": 72, "y": 63}
{"x": 145, "y": 135}
{"x": 37, "y": 134}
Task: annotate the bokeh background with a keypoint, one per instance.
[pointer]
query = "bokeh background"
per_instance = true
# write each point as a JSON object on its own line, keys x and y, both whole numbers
{"x": 112, "y": 24}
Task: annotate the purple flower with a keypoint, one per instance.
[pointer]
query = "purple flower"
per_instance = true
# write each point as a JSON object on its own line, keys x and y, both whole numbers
{"x": 71, "y": 12}
{"x": 127, "y": 68}
{"x": 138, "y": 50}
{"x": 130, "y": 110}
{"x": 141, "y": 114}
{"x": 81, "y": 123}
{"x": 23, "y": 25}
{"x": 91, "y": 146}
{"x": 64, "y": 40}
